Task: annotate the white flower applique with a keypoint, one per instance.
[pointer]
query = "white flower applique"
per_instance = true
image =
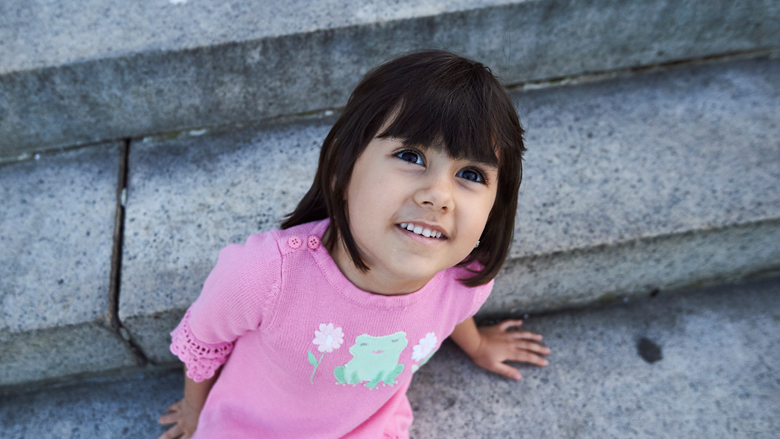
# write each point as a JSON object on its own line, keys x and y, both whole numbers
{"x": 424, "y": 350}
{"x": 327, "y": 339}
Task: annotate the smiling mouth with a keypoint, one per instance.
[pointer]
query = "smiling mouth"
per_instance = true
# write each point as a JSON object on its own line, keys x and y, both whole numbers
{"x": 422, "y": 231}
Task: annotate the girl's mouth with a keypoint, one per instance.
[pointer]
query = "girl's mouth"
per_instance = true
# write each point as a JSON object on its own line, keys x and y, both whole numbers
{"x": 422, "y": 231}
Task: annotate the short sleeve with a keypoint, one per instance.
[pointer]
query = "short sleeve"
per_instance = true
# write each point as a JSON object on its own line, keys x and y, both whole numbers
{"x": 238, "y": 294}
{"x": 481, "y": 293}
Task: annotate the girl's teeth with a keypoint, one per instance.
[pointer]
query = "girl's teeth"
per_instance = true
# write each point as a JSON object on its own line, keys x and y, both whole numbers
{"x": 428, "y": 233}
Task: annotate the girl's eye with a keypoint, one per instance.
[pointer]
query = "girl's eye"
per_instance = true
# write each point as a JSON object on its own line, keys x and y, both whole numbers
{"x": 411, "y": 156}
{"x": 472, "y": 174}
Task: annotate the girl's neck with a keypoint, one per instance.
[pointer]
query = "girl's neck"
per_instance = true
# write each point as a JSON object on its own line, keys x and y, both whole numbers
{"x": 372, "y": 281}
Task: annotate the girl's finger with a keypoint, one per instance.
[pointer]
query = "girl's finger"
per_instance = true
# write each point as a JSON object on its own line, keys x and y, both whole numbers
{"x": 174, "y": 407}
{"x": 533, "y": 347}
{"x": 168, "y": 418}
{"x": 506, "y": 324}
{"x": 525, "y": 335}
{"x": 507, "y": 371}
{"x": 172, "y": 433}
{"x": 527, "y": 357}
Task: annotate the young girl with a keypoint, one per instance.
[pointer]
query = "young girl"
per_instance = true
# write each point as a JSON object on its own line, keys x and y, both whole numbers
{"x": 315, "y": 330}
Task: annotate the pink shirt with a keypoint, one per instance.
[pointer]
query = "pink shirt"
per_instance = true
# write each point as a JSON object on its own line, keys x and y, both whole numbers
{"x": 306, "y": 353}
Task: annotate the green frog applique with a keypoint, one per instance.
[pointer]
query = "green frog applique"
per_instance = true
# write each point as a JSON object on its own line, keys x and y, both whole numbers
{"x": 375, "y": 360}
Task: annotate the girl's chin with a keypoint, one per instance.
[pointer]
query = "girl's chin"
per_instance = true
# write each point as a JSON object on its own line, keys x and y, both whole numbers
{"x": 418, "y": 272}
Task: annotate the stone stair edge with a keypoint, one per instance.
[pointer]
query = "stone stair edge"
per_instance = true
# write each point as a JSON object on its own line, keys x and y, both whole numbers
{"x": 692, "y": 259}
{"x": 84, "y": 378}
{"x": 672, "y": 289}
{"x": 47, "y": 354}
{"x": 175, "y": 39}
{"x": 327, "y": 114}
{"x": 478, "y": 7}
{"x": 521, "y": 288}
{"x": 165, "y": 122}
{"x": 706, "y": 369}
{"x": 646, "y": 238}
{"x": 554, "y": 305}
{"x": 491, "y": 318}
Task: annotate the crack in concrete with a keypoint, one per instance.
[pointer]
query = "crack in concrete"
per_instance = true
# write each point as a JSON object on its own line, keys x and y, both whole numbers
{"x": 116, "y": 257}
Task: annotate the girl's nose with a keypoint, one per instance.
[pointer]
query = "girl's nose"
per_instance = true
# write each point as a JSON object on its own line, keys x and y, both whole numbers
{"x": 436, "y": 193}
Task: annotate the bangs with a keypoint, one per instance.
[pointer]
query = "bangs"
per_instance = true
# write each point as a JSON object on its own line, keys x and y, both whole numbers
{"x": 454, "y": 112}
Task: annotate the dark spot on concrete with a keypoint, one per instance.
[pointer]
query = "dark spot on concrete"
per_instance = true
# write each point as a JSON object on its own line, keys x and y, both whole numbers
{"x": 654, "y": 292}
{"x": 648, "y": 350}
{"x": 60, "y": 282}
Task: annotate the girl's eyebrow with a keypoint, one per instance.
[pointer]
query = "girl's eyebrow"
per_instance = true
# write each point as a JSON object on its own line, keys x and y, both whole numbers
{"x": 484, "y": 163}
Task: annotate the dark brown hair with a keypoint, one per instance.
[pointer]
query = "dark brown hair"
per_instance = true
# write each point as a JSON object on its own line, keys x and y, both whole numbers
{"x": 439, "y": 97}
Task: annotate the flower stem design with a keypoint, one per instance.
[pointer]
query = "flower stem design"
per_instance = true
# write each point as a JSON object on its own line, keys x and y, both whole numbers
{"x": 327, "y": 339}
{"x": 316, "y": 363}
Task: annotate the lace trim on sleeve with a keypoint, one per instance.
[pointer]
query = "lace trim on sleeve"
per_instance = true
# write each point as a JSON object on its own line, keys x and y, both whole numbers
{"x": 202, "y": 359}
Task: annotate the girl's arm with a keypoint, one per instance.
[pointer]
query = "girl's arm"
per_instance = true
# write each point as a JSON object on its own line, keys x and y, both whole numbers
{"x": 490, "y": 346}
{"x": 184, "y": 414}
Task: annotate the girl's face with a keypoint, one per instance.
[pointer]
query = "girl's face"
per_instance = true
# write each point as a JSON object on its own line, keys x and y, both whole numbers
{"x": 393, "y": 186}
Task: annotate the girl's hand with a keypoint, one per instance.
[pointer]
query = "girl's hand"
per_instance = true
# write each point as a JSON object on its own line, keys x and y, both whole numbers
{"x": 184, "y": 420}
{"x": 497, "y": 344}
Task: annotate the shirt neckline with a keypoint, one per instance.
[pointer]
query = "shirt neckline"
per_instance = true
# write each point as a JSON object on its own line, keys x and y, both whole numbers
{"x": 347, "y": 289}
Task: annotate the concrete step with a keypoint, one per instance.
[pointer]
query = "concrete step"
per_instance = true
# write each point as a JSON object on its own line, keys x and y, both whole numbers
{"x": 80, "y": 73}
{"x": 699, "y": 364}
{"x": 57, "y": 227}
{"x": 693, "y": 201}
{"x": 633, "y": 185}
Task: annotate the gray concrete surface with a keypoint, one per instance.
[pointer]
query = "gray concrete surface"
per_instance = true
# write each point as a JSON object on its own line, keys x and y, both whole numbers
{"x": 85, "y": 72}
{"x": 188, "y": 198}
{"x": 56, "y": 235}
{"x": 717, "y": 377}
{"x": 631, "y": 185}
{"x": 635, "y": 268}
{"x": 714, "y": 374}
